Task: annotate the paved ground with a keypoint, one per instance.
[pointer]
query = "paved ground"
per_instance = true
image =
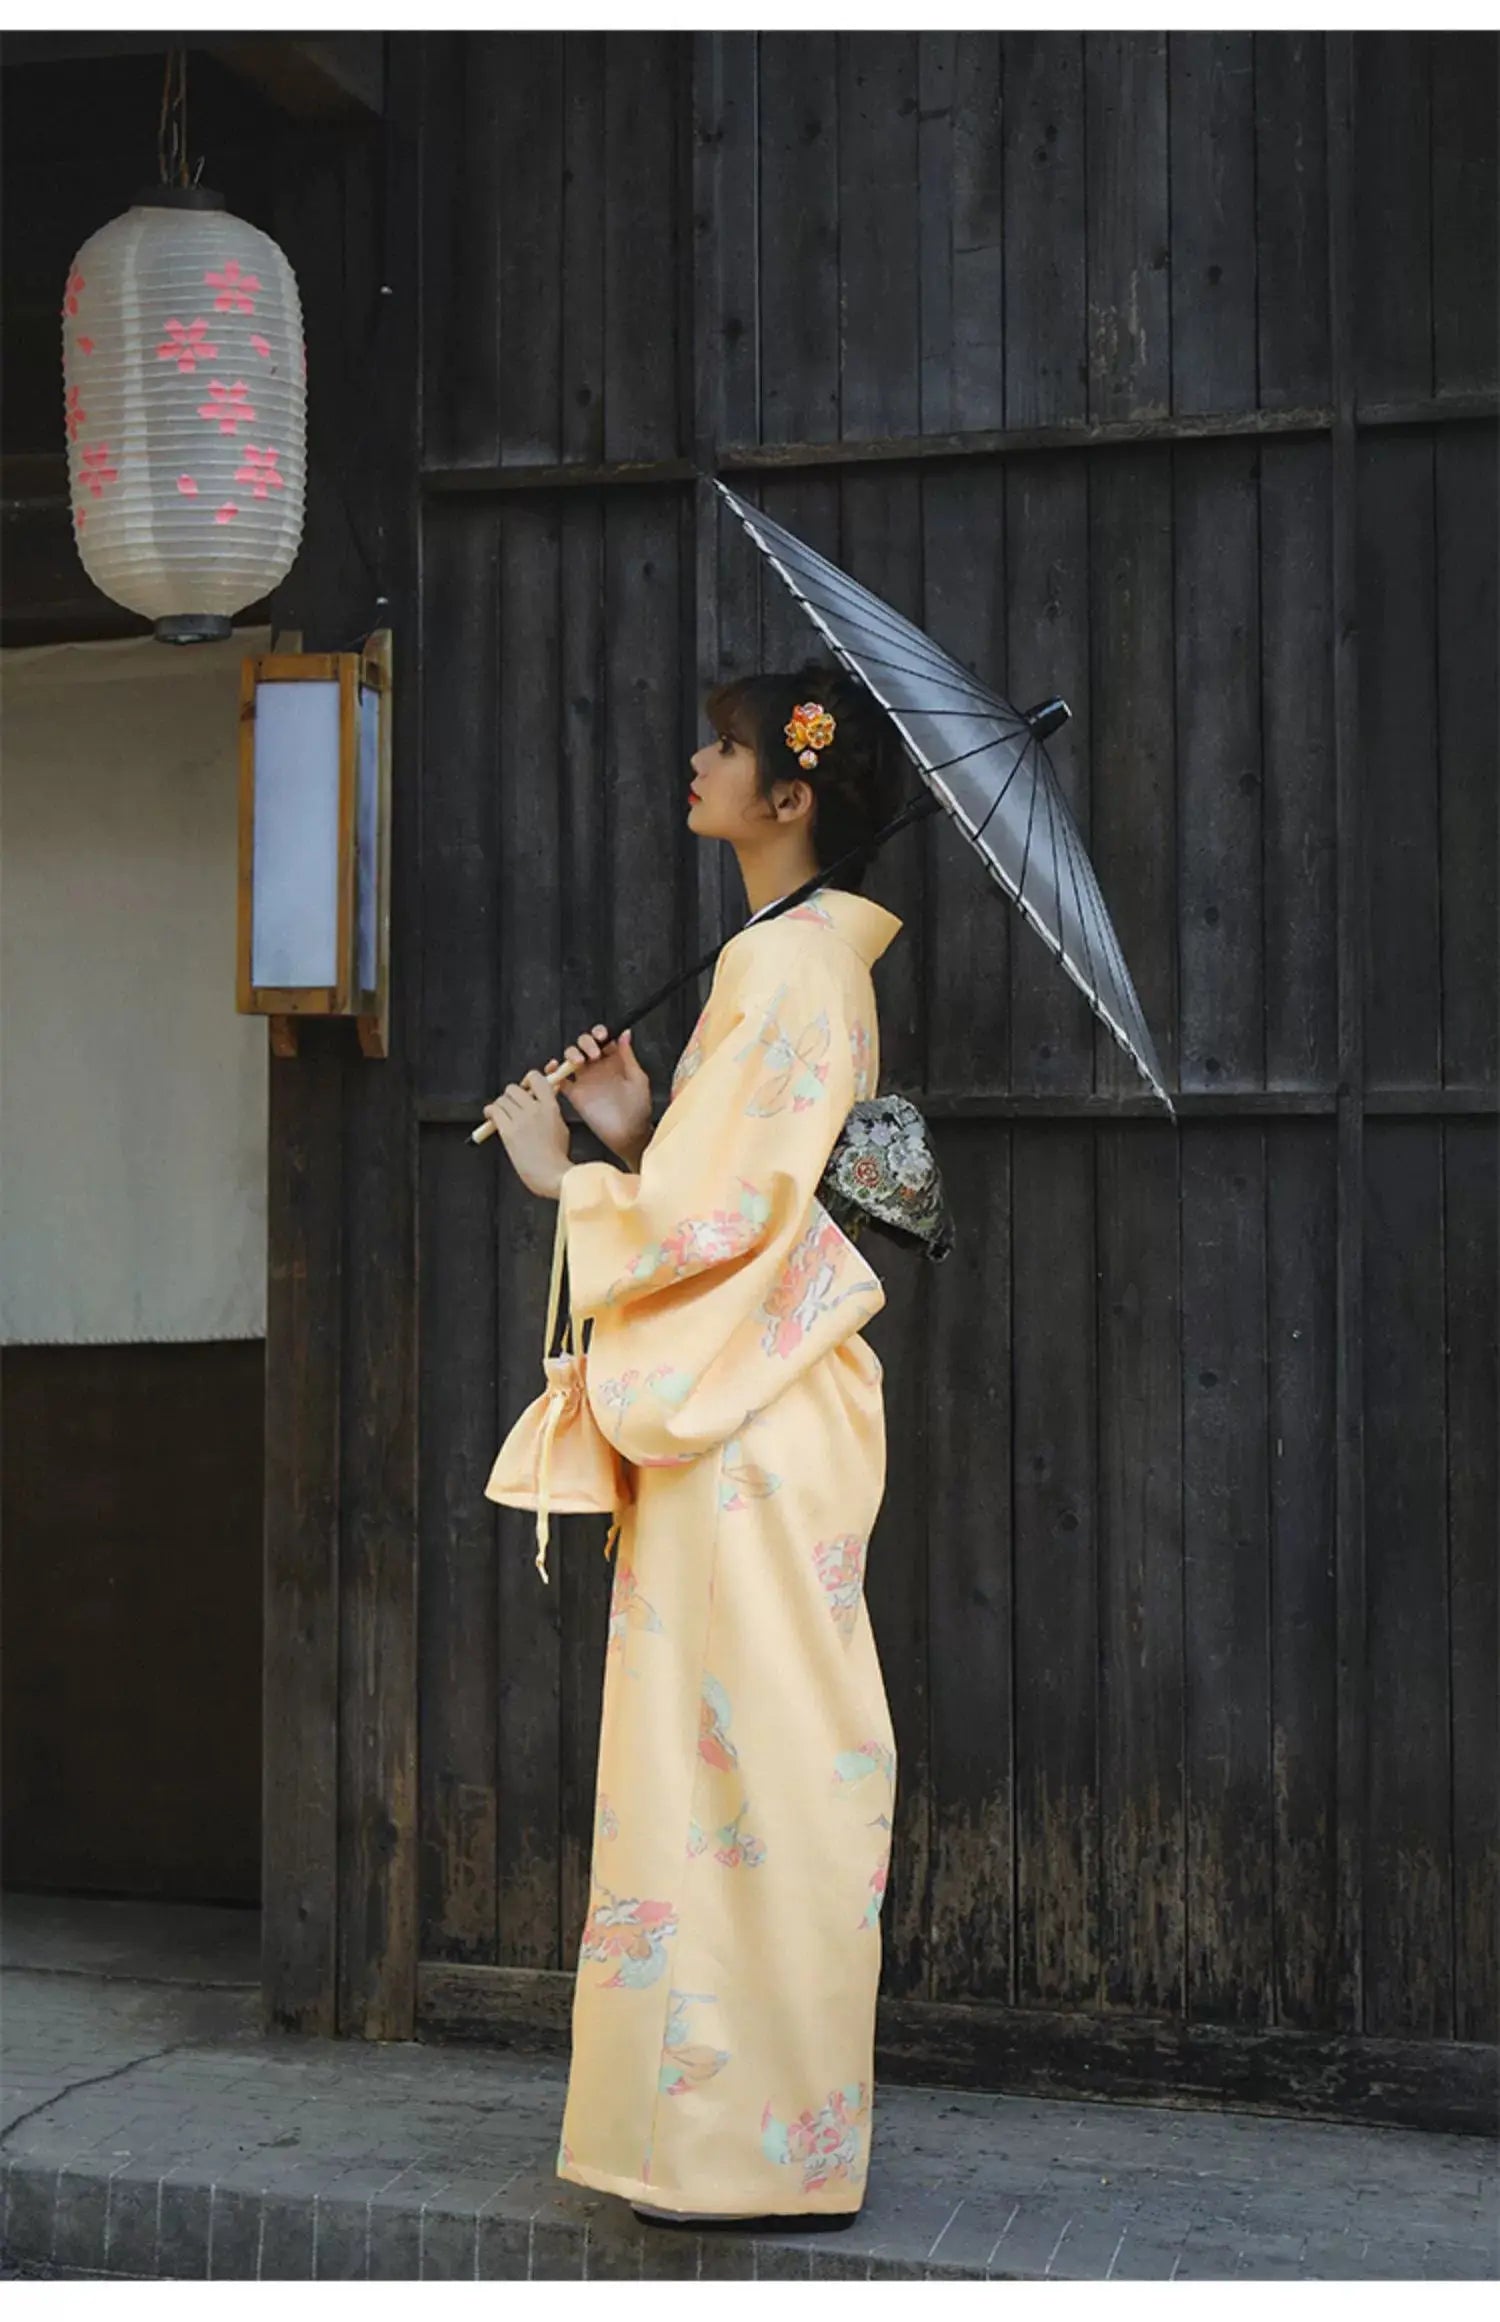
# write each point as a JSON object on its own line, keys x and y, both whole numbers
{"x": 148, "y": 2129}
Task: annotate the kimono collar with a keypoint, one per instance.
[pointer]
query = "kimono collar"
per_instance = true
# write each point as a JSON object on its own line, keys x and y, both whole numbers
{"x": 866, "y": 926}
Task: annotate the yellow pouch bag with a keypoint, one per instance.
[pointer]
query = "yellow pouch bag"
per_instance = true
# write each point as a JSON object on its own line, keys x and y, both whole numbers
{"x": 557, "y": 1456}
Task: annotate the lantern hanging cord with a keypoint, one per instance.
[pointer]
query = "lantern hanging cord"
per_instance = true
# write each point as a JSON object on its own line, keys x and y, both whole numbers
{"x": 171, "y": 133}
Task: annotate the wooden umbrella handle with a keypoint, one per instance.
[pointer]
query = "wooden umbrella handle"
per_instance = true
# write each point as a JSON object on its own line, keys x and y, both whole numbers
{"x": 565, "y": 1071}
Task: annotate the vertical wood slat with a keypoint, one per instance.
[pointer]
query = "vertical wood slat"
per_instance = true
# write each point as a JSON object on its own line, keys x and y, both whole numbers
{"x": 583, "y": 1579}
{"x": 1471, "y": 1199}
{"x": 723, "y": 203}
{"x": 1227, "y": 1726}
{"x": 1211, "y": 111}
{"x": 1055, "y": 1490}
{"x": 301, "y": 1772}
{"x": 1143, "y": 1866}
{"x": 970, "y": 1935}
{"x": 524, "y": 873}
{"x": 1351, "y": 1641}
{"x": 1465, "y": 212}
{"x": 1046, "y": 193}
{"x": 1129, "y": 320}
{"x": 1291, "y": 220}
{"x": 378, "y": 1919}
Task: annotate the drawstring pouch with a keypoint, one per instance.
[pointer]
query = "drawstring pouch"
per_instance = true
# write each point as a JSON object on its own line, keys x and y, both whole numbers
{"x": 557, "y": 1456}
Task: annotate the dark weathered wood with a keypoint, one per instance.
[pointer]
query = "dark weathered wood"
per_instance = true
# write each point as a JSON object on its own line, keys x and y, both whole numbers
{"x": 1129, "y": 337}
{"x": 1471, "y": 1209}
{"x": 1045, "y": 546}
{"x": 1055, "y": 1497}
{"x": 645, "y": 106}
{"x": 1465, "y": 211}
{"x": 582, "y": 1580}
{"x": 1408, "y": 1913}
{"x": 1398, "y": 753}
{"x": 378, "y": 1915}
{"x": 1045, "y": 253}
{"x": 859, "y": 281}
{"x": 1132, "y": 816}
{"x": 1301, "y": 1337}
{"x": 1143, "y": 1868}
{"x": 1393, "y": 183}
{"x": 1299, "y": 842}
{"x": 1466, "y": 619}
{"x": 970, "y": 1586}
{"x": 799, "y": 237}
{"x": 1227, "y": 1726}
{"x": 1212, "y": 113}
{"x": 534, "y": 1018}
{"x": 527, "y": 327}
{"x": 1220, "y": 895}
{"x": 879, "y": 340}
{"x": 300, "y": 1636}
{"x": 1441, "y": 2086}
{"x": 1291, "y": 221}
{"x": 1349, "y": 1644}
{"x": 461, "y": 258}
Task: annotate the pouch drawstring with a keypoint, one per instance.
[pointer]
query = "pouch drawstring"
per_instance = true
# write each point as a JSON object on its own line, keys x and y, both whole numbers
{"x": 555, "y": 1407}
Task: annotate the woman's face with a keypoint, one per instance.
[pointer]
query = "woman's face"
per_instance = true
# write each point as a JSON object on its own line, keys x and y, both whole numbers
{"x": 723, "y": 801}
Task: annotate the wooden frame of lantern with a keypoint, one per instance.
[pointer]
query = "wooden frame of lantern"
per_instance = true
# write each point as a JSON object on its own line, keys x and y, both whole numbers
{"x": 315, "y": 840}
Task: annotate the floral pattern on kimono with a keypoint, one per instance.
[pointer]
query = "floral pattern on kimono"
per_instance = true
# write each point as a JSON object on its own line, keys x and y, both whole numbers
{"x": 687, "y": 2063}
{"x": 841, "y": 1572}
{"x": 633, "y": 1934}
{"x": 824, "y": 2144}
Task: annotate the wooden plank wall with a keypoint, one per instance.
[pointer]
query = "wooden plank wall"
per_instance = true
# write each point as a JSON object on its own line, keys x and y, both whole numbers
{"x": 1160, "y": 372}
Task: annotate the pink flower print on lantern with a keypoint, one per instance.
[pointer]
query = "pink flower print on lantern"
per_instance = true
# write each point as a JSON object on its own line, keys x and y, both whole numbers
{"x": 76, "y": 413}
{"x": 262, "y": 346}
{"x": 97, "y": 471}
{"x": 184, "y": 343}
{"x": 84, "y": 346}
{"x": 260, "y": 470}
{"x": 229, "y": 406}
{"x": 70, "y": 295}
{"x": 234, "y": 288}
{"x": 187, "y": 487}
{"x": 226, "y": 514}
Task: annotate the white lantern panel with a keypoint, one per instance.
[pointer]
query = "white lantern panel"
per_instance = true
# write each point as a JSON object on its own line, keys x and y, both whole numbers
{"x": 185, "y": 401}
{"x": 294, "y": 903}
{"x": 368, "y": 825}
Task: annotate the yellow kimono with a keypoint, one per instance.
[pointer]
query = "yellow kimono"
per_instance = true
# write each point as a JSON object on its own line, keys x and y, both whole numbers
{"x": 724, "y": 2008}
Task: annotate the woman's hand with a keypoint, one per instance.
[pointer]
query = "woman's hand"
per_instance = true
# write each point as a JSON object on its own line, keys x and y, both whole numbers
{"x": 533, "y": 1132}
{"x": 610, "y": 1092}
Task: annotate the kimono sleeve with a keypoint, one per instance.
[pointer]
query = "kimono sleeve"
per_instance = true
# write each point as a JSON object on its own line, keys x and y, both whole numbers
{"x": 681, "y": 1265}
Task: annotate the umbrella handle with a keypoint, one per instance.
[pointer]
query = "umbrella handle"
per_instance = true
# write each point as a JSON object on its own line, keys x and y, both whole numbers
{"x": 565, "y": 1071}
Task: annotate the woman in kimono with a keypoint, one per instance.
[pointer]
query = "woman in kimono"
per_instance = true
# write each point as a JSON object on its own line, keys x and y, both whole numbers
{"x": 724, "y": 2008}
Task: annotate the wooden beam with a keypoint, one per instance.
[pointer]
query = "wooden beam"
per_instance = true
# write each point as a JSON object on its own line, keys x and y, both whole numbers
{"x": 1445, "y": 2086}
{"x": 338, "y": 74}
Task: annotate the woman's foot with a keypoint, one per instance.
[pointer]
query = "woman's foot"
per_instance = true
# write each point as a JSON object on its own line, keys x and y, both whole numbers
{"x": 798, "y": 2221}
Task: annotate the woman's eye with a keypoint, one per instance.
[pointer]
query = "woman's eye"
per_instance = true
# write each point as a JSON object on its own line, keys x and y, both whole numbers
{"x": 726, "y": 742}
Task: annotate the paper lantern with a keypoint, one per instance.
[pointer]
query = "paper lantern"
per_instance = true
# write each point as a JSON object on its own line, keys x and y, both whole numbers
{"x": 184, "y": 383}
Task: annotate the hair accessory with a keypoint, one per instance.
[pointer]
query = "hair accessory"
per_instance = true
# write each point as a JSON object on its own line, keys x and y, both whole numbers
{"x": 810, "y": 729}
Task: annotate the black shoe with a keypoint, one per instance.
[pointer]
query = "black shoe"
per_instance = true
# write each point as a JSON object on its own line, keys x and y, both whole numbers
{"x": 799, "y": 2221}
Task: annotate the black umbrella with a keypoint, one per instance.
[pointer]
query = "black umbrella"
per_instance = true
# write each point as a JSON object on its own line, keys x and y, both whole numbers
{"x": 983, "y": 760}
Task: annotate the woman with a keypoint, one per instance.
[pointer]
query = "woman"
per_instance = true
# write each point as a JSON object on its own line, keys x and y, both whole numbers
{"x": 723, "y": 2016}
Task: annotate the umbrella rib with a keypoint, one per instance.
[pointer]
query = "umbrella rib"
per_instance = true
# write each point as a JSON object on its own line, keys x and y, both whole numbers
{"x": 1063, "y": 822}
{"x": 934, "y": 657}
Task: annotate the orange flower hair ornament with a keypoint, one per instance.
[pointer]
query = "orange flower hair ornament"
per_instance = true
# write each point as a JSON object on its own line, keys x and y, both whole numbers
{"x": 810, "y": 729}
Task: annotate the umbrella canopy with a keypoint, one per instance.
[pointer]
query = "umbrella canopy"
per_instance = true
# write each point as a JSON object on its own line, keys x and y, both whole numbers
{"x": 985, "y": 762}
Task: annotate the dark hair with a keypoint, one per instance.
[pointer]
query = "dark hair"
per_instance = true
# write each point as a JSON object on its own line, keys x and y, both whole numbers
{"x": 857, "y": 781}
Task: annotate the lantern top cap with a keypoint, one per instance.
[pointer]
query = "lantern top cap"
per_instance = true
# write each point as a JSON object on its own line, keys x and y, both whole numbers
{"x": 177, "y": 197}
